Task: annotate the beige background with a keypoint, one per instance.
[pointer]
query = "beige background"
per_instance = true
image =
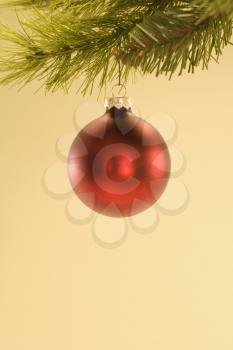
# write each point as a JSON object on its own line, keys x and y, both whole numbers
{"x": 172, "y": 289}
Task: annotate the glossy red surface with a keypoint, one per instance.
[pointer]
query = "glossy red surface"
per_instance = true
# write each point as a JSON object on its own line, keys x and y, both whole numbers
{"x": 119, "y": 165}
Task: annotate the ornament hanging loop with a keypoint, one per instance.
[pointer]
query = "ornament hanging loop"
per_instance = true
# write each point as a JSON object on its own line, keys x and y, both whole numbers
{"x": 118, "y": 99}
{"x": 119, "y": 90}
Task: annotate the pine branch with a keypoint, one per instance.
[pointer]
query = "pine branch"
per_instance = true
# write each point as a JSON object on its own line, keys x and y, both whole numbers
{"x": 211, "y": 8}
{"x": 61, "y": 47}
{"x": 175, "y": 40}
{"x": 87, "y": 6}
{"x": 43, "y": 4}
{"x": 160, "y": 36}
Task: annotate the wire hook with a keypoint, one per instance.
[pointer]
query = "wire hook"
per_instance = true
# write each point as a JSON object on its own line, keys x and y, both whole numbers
{"x": 118, "y": 92}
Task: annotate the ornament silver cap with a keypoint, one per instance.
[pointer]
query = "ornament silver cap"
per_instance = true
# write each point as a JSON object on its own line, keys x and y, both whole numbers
{"x": 118, "y": 102}
{"x": 119, "y": 98}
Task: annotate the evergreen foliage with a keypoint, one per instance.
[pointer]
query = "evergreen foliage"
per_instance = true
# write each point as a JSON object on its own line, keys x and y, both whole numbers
{"x": 62, "y": 40}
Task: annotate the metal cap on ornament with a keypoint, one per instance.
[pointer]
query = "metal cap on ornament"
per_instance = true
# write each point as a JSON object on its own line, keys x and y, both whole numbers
{"x": 119, "y": 98}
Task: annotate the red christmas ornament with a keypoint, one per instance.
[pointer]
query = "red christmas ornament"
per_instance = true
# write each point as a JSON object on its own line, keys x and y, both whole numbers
{"x": 119, "y": 165}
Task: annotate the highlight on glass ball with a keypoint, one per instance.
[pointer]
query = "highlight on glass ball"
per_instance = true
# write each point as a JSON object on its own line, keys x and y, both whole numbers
{"x": 119, "y": 165}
